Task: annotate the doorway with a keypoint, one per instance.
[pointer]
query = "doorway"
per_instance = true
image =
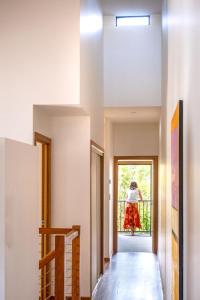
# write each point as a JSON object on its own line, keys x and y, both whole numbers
{"x": 143, "y": 170}
{"x": 97, "y": 216}
{"x": 44, "y": 144}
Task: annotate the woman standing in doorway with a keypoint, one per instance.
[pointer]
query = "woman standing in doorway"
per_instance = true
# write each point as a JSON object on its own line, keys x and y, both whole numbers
{"x": 132, "y": 216}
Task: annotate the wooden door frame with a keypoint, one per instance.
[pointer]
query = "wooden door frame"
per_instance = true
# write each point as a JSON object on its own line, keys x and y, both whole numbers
{"x": 45, "y": 240}
{"x": 39, "y": 138}
{"x": 94, "y": 145}
{"x": 155, "y": 199}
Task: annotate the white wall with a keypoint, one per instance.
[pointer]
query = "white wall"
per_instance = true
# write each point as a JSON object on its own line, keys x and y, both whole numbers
{"x": 41, "y": 122}
{"x": 136, "y": 139}
{"x": 48, "y": 56}
{"x": 91, "y": 99}
{"x": 70, "y": 178}
{"x": 71, "y": 183}
{"x": 132, "y": 64}
{"x": 162, "y": 155}
{"x": 183, "y": 83}
{"x": 91, "y": 65}
{"x": 19, "y": 212}
{"x": 108, "y": 190}
{"x": 39, "y": 60}
{"x": 2, "y": 221}
{"x": 124, "y": 139}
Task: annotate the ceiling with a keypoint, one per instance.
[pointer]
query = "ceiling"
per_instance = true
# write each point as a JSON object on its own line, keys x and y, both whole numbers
{"x": 115, "y": 114}
{"x": 133, "y": 115}
{"x": 131, "y": 7}
{"x": 61, "y": 110}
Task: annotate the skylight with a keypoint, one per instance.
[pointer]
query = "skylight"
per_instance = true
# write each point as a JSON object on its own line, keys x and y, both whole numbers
{"x": 133, "y": 21}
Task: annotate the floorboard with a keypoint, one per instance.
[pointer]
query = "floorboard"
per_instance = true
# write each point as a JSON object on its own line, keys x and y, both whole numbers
{"x": 131, "y": 276}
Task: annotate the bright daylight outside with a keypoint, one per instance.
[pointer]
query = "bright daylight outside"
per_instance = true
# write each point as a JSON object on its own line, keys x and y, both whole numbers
{"x": 141, "y": 239}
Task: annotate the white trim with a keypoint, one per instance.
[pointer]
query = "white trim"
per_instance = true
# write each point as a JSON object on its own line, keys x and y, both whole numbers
{"x": 97, "y": 150}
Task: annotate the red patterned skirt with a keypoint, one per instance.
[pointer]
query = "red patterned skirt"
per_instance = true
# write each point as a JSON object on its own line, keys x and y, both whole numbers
{"x": 132, "y": 216}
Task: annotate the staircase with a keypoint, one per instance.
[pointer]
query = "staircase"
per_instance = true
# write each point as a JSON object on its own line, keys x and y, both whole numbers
{"x": 60, "y": 267}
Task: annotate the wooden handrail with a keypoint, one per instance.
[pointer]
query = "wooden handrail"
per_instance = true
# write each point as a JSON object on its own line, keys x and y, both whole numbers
{"x": 76, "y": 265}
{"x": 72, "y": 232}
{"x": 58, "y": 255}
{"x": 51, "y": 255}
{"x": 45, "y": 260}
{"x": 54, "y": 230}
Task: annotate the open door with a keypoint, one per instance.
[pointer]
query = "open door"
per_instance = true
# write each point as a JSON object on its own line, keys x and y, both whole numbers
{"x": 44, "y": 144}
{"x": 145, "y": 169}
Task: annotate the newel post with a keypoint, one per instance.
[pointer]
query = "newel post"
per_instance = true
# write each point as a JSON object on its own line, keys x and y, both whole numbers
{"x": 76, "y": 265}
{"x": 59, "y": 267}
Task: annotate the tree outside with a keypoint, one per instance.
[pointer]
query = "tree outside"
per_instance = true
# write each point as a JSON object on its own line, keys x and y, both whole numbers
{"x": 142, "y": 175}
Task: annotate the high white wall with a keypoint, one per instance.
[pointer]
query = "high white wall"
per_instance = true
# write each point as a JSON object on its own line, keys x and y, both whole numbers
{"x": 71, "y": 181}
{"x": 48, "y": 56}
{"x": 108, "y": 190}
{"x": 91, "y": 65}
{"x": 132, "y": 64}
{"x": 136, "y": 139}
{"x": 162, "y": 154}
{"x": 19, "y": 210}
{"x": 70, "y": 178}
{"x": 183, "y": 83}
{"x": 39, "y": 60}
{"x": 51, "y": 54}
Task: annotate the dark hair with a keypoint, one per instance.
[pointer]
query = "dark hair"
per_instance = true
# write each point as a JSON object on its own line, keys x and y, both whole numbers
{"x": 133, "y": 185}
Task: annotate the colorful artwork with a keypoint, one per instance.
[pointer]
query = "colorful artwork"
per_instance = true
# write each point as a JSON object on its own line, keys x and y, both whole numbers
{"x": 175, "y": 269}
{"x": 175, "y": 159}
{"x": 177, "y": 201}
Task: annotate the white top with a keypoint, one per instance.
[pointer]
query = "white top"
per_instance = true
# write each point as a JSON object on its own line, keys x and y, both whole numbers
{"x": 132, "y": 196}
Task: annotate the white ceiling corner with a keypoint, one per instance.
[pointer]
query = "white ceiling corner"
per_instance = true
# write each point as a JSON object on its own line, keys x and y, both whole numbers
{"x": 133, "y": 114}
{"x": 131, "y": 7}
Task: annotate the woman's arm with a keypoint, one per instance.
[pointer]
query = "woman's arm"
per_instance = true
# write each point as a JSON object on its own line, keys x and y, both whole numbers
{"x": 140, "y": 195}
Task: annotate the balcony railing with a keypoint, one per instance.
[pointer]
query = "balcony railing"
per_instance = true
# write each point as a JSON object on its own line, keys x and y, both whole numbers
{"x": 145, "y": 212}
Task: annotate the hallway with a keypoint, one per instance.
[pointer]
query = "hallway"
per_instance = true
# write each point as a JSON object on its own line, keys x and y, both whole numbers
{"x": 131, "y": 276}
{"x": 99, "y": 145}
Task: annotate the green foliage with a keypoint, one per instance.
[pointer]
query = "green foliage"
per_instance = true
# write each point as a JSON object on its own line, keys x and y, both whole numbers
{"x": 139, "y": 173}
{"x": 142, "y": 175}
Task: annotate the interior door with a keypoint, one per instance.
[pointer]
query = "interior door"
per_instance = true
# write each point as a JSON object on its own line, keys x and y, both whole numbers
{"x": 98, "y": 214}
{"x": 96, "y": 217}
{"x": 44, "y": 144}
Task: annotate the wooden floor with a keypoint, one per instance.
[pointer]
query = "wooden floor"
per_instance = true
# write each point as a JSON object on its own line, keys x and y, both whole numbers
{"x": 131, "y": 276}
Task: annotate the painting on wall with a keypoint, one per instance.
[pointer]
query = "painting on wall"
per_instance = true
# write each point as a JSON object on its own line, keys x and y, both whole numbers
{"x": 177, "y": 201}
